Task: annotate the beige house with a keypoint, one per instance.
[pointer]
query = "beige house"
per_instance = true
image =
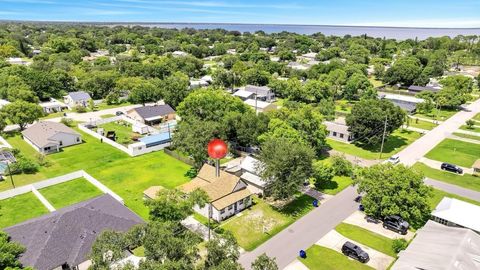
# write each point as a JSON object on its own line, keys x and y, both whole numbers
{"x": 338, "y": 131}
{"x": 151, "y": 115}
{"x": 49, "y": 137}
{"x": 75, "y": 99}
{"x": 151, "y": 193}
{"x": 228, "y": 194}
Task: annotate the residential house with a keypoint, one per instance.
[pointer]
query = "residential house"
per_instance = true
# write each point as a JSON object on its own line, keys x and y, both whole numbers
{"x": 179, "y": 54}
{"x": 3, "y": 102}
{"x": 151, "y": 193}
{"x": 228, "y": 194}
{"x": 18, "y": 61}
{"x": 194, "y": 84}
{"x": 48, "y": 137}
{"x": 338, "y": 131}
{"x": 455, "y": 213}
{"x": 439, "y": 247}
{"x": 407, "y": 103}
{"x": 74, "y": 99}
{"x": 298, "y": 66}
{"x": 251, "y": 169}
{"x": 418, "y": 89}
{"x": 231, "y": 51}
{"x": 152, "y": 115}
{"x": 53, "y": 106}
{"x": 263, "y": 93}
{"x": 63, "y": 239}
{"x": 244, "y": 95}
{"x": 260, "y": 106}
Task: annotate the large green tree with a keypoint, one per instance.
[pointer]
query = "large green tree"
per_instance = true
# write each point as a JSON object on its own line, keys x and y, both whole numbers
{"x": 9, "y": 253}
{"x": 175, "y": 88}
{"x": 263, "y": 262}
{"x": 395, "y": 190}
{"x": 405, "y": 71}
{"x": 288, "y": 164}
{"x": 367, "y": 121}
{"x": 22, "y": 113}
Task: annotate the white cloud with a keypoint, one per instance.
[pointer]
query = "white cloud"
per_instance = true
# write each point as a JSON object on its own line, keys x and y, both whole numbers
{"x": 437, "y": 23}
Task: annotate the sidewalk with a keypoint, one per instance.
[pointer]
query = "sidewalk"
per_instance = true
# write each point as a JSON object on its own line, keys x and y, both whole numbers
{"x": 458, "y": 138}
{"x": 195, "y": 226}
{"x": 426, "y": 119}
{"x": 354, "y": 159}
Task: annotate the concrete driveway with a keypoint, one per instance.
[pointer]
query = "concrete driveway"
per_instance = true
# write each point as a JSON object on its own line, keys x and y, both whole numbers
{"x": 296, "y": 265}
{"x": 335, "y": 241}
{"x": 437, "y": 165}
{"x": 359, "y": 219}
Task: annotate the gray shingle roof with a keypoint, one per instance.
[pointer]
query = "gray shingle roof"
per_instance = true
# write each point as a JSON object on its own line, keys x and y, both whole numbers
{"x": 41, "y": 133}
{"x": 79, "y": 96}
{"x": 67, "y": 235}
{"x": 416, "y": 88}
{"x": 153, "y": 111}
{"x": 261, "y": 91}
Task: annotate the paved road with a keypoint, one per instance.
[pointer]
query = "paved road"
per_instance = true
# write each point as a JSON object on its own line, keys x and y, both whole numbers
{"x": 467, "y": 193}
{"x": 306, "y": 231}
{"x": 412, "y": 153}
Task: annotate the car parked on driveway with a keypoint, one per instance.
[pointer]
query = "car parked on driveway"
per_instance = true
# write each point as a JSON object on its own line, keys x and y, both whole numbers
{"x": 395, "y": 159}
{"x": 396, "y": 224}
{"x": 451, "y": 168}
{"x": 353, "y": 251}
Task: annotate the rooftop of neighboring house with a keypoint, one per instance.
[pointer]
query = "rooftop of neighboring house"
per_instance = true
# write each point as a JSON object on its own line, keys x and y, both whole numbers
{"x": 404, "y": 98}
{"x": 223, "y": 190}
{"x": 258, "y": 90}
{"x": 416, "y": 88}
{"x": 41, "y": 132}
{"x": 79, "y": 96}
{"x": 337, "y": 126}
{"x": 148, "y": 112}
{"x": 67, "y": 235}
{"x": 258, "y": 103}
{"x": 459, "y": 212}
{"x": 437, "y": 246}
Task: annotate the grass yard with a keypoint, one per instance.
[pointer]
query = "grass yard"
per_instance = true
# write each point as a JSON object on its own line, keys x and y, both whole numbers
{"x": 70, "y": 192}
{"x": 322, "y": 258}
{"x": 375, "y": 82}
{"x": 105, "y": 116}
{"x": 55, "y": 115}
{"x": 123, "y": 131}
{"x": 456, "y": 152}
{"x": 475, "y": 128}
{"x": 262, "y": 221}
{"x": 467, "y": 180}
{"x": 337, "y": 184}
{"x": 438, "y": 195}
{"x": 366, "y": 237}
{"x": 476, "y": 117}
{"x": 436, "y": 114}
{"x": 467, "y": 136}
{"x": 125, "y": 175}
{"x": 20, "y": 208}
{"x": 417, "y": 123}
{"x": 398, "y": 140}
{"x": 344, "y": 106}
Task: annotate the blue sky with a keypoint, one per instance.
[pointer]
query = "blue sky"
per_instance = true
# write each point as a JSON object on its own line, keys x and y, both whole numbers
{"x": 427, "y": 13}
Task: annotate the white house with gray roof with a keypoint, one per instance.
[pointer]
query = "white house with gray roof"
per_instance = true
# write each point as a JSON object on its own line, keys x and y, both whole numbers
{"x": 49, "y": 137}
{"x": 74, "y": 99}
{"x": 263, "y": 93}
{"x": 338, "y": 131}
{"x": 63, "y": 239}
{"x": 151, "y": 115}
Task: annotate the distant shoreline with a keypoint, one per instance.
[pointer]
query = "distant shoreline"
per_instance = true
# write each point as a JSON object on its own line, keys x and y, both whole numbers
{"x": 390, "y": 32}
{"x": 232, "y": 24}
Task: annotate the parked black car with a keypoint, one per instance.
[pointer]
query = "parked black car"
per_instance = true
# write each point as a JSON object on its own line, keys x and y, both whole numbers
{"x": 358, "y": 199}
{"x": 118, "y": 113}
{"x": 396, "y": 224}
{"x": 451, "y": 168}
{"x": 355, "y": 252}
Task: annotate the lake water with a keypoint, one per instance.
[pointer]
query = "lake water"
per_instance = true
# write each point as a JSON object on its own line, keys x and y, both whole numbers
{"x": 388, "y": 32}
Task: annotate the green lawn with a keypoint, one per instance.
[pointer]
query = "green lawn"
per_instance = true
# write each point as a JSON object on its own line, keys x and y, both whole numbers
{"x": 321, "y": 258}
{"x": 475, "y": 128}
{"x": 375, "y": 82}
{"x": 398, "y": 140}
{"x": 107, "y": 116}
{"x": 467, "y": 180}
{"x": 467, "y": 136}
{"x": 438, "y": 195}
{"x": 70, "y": 192}
{"x": 55, "y": 115}
{"x": 477, "y": 117}
{"x": 367, "y": 238}
{"x": 261, "y": 221}
{"x": 123, "y": 131}
{"x": 125, "y": 175}
{"x": 456, "y": 152}
{"x": 20, "y": 208}
{"x": 438, "y": 114}
{"x": 417, "y": 123}
{"x": 337, "y": 184}
{"x": 344, "y": 106}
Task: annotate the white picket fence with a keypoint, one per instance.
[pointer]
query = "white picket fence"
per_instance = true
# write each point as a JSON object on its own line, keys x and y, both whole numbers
{"x": 57, "y": 180}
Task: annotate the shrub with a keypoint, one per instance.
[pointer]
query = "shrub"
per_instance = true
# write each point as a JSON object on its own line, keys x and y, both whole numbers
{"x": 322, "y": 174}
{"x": 470, "y": 123}
{"x": 399, "y": 245}
{"x": 23, "y": 165}
{"x": 341, "y": 166}
{"x": 80, "y": 109}
{"x": 66, "y": 121}
{"x": 42, "y": 160}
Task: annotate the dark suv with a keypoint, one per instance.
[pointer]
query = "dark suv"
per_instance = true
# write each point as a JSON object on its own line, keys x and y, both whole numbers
{"x": 451, "y": 168}
{"x": 354, "y": 251}
{"x": 396, "y": 224}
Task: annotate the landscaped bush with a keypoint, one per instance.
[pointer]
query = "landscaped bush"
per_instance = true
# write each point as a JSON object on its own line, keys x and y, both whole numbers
{"x": 341, "y": 166}
{"x": 66, "y": 121}
{"x": 80, "y": 109}
{"x": 23, "y": 165}
{"x": 42, "y": 160}
{"x": 322, "y": 174}
{"x": 399, "y": 245}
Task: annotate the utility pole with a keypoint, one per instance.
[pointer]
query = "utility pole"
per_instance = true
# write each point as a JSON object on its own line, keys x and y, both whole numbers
{"x": 256, "y": 97}
{"x": 383, "y": 137}
{"x": 209, "y": 216}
